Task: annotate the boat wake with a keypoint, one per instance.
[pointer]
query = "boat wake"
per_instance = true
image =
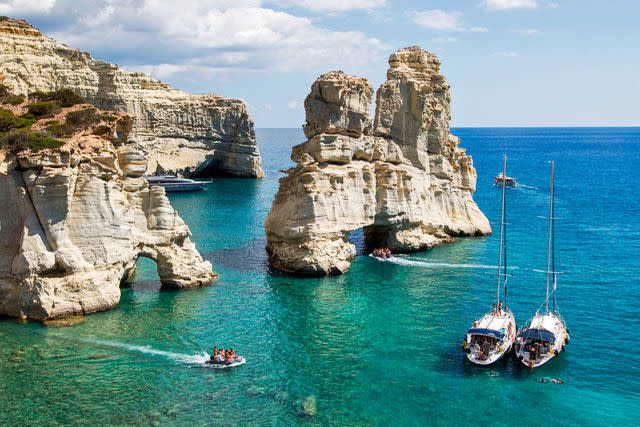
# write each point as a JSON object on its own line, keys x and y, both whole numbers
{"x": 425, "y": 264}
{"x": 188, "y": 359}
{"x": 530, "y": 187}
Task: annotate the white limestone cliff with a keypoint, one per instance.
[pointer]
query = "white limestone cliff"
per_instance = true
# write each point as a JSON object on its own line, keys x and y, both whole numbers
{"x": 74, "y": 220}
{"x": 405, "y": 181}
{"x": 198, "y": 135}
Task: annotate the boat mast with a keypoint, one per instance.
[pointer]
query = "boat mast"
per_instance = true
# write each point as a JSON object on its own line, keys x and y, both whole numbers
{"x": 551, "y": 274}
{"x": 502, "y": 232}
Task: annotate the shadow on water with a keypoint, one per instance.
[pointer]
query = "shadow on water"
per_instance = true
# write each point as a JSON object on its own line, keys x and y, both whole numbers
{"x": 248, "y": 258}
{"x": 455, "y": 363}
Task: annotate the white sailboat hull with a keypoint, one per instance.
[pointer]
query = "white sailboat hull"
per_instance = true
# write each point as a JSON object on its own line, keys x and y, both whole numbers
{"x": 548, "y": 322}
{"x": 503, "y": 323}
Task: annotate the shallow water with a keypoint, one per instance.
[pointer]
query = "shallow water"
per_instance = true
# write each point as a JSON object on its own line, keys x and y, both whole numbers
{"x": 379, "y": 345}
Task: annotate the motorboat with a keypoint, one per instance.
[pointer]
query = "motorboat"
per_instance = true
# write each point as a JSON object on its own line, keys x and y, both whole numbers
{"x": 546, "y": 334}
{"x": 172, "y": 183}
{"x": 492, "y": 336}
{"x": 236, "y": 361}
{"x": 502, "y": 178}
{"x": 382, "y": 253}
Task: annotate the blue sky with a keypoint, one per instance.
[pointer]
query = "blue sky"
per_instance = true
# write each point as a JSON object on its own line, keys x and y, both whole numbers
{"x": 509, "y": 62}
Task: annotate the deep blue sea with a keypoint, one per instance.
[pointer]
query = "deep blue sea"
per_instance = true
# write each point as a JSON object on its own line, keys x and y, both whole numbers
{"x": 379, "y": 345}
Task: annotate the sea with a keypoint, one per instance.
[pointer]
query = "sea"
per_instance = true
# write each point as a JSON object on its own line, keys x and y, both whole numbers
{"x": 380, "y": 345}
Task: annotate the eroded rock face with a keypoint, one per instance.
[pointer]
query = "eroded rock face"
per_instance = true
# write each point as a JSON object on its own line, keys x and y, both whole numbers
{"x": 203, "y": 135}
{"x": 73, "y": 222}
{"x": 407, "y": 182}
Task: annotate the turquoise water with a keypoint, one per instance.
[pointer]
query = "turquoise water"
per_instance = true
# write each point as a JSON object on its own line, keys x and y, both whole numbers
{"x": 379, "y": 345}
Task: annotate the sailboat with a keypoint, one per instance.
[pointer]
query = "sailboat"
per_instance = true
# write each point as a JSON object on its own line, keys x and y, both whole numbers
{"x": 493, "y": 335}
{"x": 546, "y": 334}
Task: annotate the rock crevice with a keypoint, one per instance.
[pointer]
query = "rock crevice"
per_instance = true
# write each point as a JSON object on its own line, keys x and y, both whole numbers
{"x": 404, "y": 179}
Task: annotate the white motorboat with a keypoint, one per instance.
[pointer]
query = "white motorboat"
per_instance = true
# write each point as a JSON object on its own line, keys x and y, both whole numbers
{"x": 174, "y": 184}
{"x": 502, "y": 178}
{"x": 492, "y": 336}
{"x": 546, "y": 334}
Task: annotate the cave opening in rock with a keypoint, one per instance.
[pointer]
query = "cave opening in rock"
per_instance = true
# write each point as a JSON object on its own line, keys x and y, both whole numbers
{"x": 376, "y": 236}
{"x": 143, "y": 276}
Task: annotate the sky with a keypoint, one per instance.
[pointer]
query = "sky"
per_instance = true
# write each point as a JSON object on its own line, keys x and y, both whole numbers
{"x": 509, "y": 62}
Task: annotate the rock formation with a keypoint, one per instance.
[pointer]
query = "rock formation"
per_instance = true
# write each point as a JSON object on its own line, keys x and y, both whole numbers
{"x": 75, "y": 214}
{"x": 405, "y": 181}
{"x": 198, "y": 135}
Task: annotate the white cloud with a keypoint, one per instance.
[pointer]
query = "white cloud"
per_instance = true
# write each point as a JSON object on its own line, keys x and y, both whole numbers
{"x": 161, "y": 71}
{"x": 332, "y": 5}
{"x": 25, "y": 7}
{"x": 505, "y": 54}
{"x": 294, "y": 105}
{"x": 530, "y": 32}
{"x": 509, "y": 4}
{"x": 444, "y": 39}
{"x": 438, "y": 19}
{"x": 210, "y": 36}
{"x": 552, "y": 5}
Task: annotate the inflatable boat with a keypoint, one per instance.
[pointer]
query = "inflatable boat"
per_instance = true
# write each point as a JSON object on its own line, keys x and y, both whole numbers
{"x": 237, "y": 361}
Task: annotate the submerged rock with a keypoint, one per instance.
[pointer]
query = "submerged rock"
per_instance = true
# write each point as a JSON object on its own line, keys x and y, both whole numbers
{"x": 308, "y": 407}
{"x": 405, "y": 180}
{"x": 65, "y": 322}
{"x": 203, "y": 135}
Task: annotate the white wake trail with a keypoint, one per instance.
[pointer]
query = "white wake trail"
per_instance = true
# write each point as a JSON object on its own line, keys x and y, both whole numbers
{"x": 526, "y": 186}
{"x": 190, "y": 359}
{"x": 425, "y": 264}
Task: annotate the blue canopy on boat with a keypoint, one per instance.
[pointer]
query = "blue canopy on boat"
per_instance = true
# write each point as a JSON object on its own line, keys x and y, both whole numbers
{"x": 486, "y": 332}
{"x": 537, "y": 334}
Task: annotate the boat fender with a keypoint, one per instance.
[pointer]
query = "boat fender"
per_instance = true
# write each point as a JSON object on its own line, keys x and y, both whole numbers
{"x": 467, "y": 350}
{"x": 562, "y": 348}
{"x": 566, "y": 340}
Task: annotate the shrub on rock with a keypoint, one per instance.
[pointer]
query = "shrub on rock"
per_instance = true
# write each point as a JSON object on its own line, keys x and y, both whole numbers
{"x": 7, "y": 120}
{"x": 65, "y": 97}
{"x": 44, "y": 108}
{"x": 82, "y": 119}
{"x": 14, "y": 99}
{"x": 23, "y": 139}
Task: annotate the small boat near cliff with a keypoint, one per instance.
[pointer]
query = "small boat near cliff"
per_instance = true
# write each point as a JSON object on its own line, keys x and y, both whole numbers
{"x": 546, "y": 334}
{"x": 493, "y": 335}
{"x": 502, "y": 178}
{"x": 173, "y": 183}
